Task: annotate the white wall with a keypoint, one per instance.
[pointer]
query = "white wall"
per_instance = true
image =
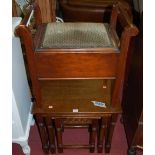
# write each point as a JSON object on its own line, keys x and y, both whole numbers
{"x": 21, "y": 98}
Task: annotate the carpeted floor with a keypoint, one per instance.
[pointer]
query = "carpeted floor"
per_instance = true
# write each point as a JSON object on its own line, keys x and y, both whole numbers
{"x": 70, "y": 136}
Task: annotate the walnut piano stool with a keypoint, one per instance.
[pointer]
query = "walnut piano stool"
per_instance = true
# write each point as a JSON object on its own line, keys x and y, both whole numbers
{"x": 70, "y": 66}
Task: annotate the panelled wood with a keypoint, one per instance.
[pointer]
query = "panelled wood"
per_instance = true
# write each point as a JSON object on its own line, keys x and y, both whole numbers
{"x": 75, "y": 94}
{"x": 76, "y": 65}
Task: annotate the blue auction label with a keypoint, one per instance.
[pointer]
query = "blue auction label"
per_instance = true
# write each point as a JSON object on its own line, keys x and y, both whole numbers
{"x": 99, "y": 104}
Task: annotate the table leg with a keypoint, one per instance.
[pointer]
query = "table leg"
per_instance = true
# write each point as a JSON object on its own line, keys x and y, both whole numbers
{"x": 51, "y": 133}
{"x": 102, "y": 131}
{"x": 43, "y": 133}
{"x": 58, "y": 125}
{"x": 110, "y": 129}
{"x": 93, "y": 132}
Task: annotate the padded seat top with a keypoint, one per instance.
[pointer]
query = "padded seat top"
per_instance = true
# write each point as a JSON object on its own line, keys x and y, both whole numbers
{"x": 76, "y": 35}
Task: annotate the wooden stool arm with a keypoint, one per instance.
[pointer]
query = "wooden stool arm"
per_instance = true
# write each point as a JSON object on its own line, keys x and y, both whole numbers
{"x": 120, "y": 15}
{"x": 124, "y": 42}
{"x": 25, "y": 35}
{"x": 33, "y": 10}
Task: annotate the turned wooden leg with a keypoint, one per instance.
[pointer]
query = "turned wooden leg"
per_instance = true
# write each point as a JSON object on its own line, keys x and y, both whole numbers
{"x": 93, "y": 131}
{"x": 58, "y": 126}
{"x": 109, "y": 133}
{"x": 131, "y": 151}
{"x": 101, "y": 135}
{"x": 43, "y": 133}
{"x": 51, "y": 134}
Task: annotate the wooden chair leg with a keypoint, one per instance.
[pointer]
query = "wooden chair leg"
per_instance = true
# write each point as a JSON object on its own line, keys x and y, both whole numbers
{"x": 93, "y": 132}
{"x": 43, "y": 133}
{"x": 58, "y": 126}
{"x": 101, "y": 135}
{"x": 51, "y": 134}
{"x": 109, "y": 133}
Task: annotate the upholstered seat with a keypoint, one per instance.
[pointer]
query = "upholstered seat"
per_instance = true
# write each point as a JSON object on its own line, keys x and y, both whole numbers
{"x": 76, "y": 35}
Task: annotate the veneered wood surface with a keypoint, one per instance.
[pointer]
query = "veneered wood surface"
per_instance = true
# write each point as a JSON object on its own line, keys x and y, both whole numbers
{"x": 64, "y": 96}
{"x": 76, "y": 65}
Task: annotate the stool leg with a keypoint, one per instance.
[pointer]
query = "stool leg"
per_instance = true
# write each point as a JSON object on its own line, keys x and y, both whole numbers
{"x": 102, "y": 130}
{"x": 43, "y": 133}
{"x": 51, "y": 133}
{"x": 93, "y": 136}
{"x": 110, "y": 130}
{"x": 58, "y": 125}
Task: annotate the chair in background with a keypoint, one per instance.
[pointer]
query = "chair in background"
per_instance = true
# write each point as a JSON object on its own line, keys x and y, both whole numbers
{"x": 89, "y": 10}
{"x": 77, "y": 72}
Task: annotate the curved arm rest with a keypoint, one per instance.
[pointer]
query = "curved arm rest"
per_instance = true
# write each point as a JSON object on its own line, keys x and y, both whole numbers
{"x": 124, "y": 42}
{"x": 119, "y": 15}
{"x": 126, "y": 21}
